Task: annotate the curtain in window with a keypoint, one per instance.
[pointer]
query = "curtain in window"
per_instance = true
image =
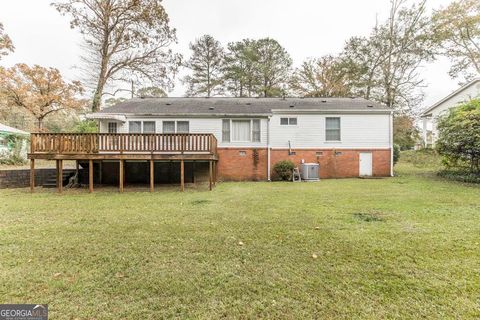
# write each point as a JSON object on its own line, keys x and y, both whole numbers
{"x": 256, "y": 130}
{"x": 149, "y": 127}
{"x": 332, "y": 132}
{"x": 226, "y": 130}
{"x": 183, "y": 127}
{"x": 168, "y": 126}
{"x": 241, "y": 130}
{"x": 135, "y": 127}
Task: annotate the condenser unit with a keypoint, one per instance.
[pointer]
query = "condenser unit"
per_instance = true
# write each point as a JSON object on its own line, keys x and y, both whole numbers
{"x": 310, "y": 171}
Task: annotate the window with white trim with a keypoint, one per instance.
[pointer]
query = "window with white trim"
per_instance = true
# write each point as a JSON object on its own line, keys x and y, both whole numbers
{"x": 256, "y": 130}
{"x": 241, "y": 130}
{"x": 135, "y": 127}
{"x": 288, "y": 121}
{"x": 226, "y": 130}
{"x": 183, "y": 127}
{"x": 168, "y": 126}
{"x": 148, "y": 126}
{"x": 332, "y": 129}
{"x": 112, "y": 127}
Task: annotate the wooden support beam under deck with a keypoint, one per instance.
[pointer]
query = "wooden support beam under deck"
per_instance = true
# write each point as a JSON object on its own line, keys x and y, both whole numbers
{"x": 152, "y": 175}
{"x": 182, "y": 175}
{"x": 210, "y": 173}
{"x": 90, "y": 176}
{"x": 32, "y": 175}
{"x": 60, "y": 175}
{"x": 121, "y": 174}
{"x": 214, "y": 173}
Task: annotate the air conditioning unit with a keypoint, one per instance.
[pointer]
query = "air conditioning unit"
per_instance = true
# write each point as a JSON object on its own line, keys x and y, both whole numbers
{"x": 310, "y": 171}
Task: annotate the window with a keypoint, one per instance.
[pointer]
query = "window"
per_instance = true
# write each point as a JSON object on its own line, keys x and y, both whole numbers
{"x": 241, "y": 130}
{"x": 135, "y": 127}
{"x": 226, "y": 130}
{"x": 183, "y": 127}
{"x": 168, "y": 126}
{"x": 112, "y": 127}
{"x": 256, "y": 130}
{"x": 149, "y": 127}
{"x": 332, "y": 129}
{"x": 288, "y": 121}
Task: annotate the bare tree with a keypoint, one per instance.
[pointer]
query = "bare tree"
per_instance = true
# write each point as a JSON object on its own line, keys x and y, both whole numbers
{"x": 125, "y": 40}
{"x": 457, "y": 31}
{"x": 322, "y": 77}
{"x": 387, "y": 63}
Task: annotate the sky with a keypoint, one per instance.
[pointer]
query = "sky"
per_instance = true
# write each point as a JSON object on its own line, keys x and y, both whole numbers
{"x": 306, "y": 28}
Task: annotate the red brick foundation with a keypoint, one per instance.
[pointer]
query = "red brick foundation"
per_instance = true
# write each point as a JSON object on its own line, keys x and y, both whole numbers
{"x": 239, "y": 164}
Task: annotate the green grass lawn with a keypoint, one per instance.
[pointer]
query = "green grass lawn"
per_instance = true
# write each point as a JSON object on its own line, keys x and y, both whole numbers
{"x": 403, "y": 247}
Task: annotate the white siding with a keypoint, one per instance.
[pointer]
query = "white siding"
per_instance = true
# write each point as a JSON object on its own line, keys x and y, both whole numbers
{"x": 357, "y": 131}
{"x": 197, "y": 125}
{"x": 468, "y": 94}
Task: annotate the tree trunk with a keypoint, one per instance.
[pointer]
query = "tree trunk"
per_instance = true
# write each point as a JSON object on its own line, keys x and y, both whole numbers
{"x": 40, "y": 124}
{"x": 97, "y": 97}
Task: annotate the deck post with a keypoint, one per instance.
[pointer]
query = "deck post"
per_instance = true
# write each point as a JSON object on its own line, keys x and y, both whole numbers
{"x": 90, "y": 175}
{"x": 152, "y": 176}
{"x": 210, "y": 173}
{"x": 182, "y": 175}
{"x": 32, "y": 175}
{"x": 214, "y": 173}
{"x": 60, "y": 176}
{"x": 120, "y": 178}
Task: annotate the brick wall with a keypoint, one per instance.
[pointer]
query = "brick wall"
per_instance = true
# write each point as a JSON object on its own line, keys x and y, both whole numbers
{"x": 251, "y": 164}
{"x": 239, "y": 164}
{"x": 20, "y": 178}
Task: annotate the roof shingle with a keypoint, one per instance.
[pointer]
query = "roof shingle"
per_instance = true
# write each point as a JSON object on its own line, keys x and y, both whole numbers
{"x": 233, "y": 106}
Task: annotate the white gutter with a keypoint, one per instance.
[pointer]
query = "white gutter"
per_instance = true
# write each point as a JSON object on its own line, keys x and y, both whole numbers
{"x": 391, "y": 144}
{"x": 106, "y": 116}
{"x": 268, "y": 149}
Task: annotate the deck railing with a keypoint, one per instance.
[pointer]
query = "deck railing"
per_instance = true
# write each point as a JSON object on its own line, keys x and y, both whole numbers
{"x": 88, "y": 143}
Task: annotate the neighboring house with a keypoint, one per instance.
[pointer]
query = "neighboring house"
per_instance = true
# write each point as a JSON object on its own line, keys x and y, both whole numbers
{"x": 430, "y": 116}
{"x": 255, "y": 133}
{"x": 6, "y": 145}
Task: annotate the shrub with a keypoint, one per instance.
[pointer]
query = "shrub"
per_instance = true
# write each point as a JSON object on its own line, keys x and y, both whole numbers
{"x": 284, "y": 169}
{"x": 460, "y": 175}
{"x": 396, "y": 153}
{"x": 86, "y": 126}
{"x": 459, "y": 137}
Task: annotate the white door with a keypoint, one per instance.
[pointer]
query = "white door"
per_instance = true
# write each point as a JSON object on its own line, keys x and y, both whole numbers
{"x": 365, "y": 164}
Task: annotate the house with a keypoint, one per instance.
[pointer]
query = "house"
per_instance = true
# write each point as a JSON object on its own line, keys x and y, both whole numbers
{"x": 190, "y": 139}
{"x": 7, "y": 146}
{"x": 430, "y": 116}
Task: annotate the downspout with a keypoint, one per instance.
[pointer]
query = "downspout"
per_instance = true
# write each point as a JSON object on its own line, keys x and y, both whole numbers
{"x": 391, "y": 144}
{"x": 268, "y": 149}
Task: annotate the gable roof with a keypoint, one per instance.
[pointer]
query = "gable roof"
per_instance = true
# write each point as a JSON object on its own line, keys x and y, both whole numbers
{"x": 454, "y": 93}
{"x": 236, "y": 106}
{"x": 5, "y": 128}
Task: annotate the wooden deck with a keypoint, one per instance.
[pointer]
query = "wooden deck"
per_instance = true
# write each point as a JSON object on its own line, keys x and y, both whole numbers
{"x": 121, "y": 147}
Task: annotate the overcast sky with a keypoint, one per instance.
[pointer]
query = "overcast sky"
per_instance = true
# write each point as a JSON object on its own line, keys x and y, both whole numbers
{"x": 306, "y": 28}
